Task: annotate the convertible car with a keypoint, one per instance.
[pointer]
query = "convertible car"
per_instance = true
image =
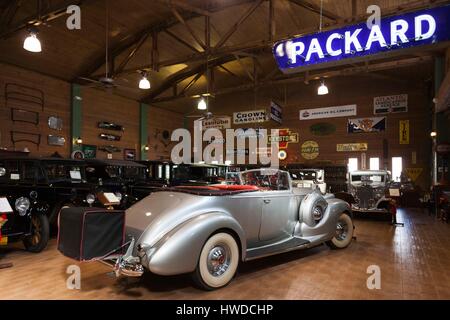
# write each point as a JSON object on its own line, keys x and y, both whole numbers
{"x": 208, "y": 230}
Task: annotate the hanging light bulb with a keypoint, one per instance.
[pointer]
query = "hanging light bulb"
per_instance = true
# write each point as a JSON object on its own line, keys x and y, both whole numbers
{"x": 202, "y": 104}
{"x": 31, "y": 42}
{"x": 323, "y": 89}
{"x": 144, "y": 84}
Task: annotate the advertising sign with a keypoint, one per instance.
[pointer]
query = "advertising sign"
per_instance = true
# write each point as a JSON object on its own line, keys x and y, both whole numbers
{"x": 423, "y": 27}
{"x": 330, "y": 112}
{"x": 253, "y": 116}
{"x": 404, "y": 131}
{"x": 285, "y": 136}
{"x": 390, "y": 104}
{"x": 216, "y": 123}
{"x": 310, "y": 150}
{"x": 322, "y": 129}
{"x": 276, "y": 112}
{"x": 351, "y": 147}
{"x": 413, "y": 173}
{"x": 366, "y": 125}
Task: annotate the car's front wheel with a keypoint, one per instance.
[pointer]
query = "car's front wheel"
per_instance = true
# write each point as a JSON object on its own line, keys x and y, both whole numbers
{"x": 40, "y": 233}
{"x": 218, "y": 262}
{"x": 344, "y": 232}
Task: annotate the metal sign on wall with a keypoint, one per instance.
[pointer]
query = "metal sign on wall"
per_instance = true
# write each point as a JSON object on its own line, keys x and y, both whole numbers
{"x": 253, "y": 116}
{"x": 310, "y": 150}
{"x": 351, "y": 147}
{"x": 217, "y": 123}
{"x": 276, "y": 112}
{"x": 285, "y": 136}
{"x": 404, "y": 131}
{"x": 329, "y": 112}
{"x": 407, "y": 30}
{"x": 366, "y": 125}
{"x": 390, "y": 104}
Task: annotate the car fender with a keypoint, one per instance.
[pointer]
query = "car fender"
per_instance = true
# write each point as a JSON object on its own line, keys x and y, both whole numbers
{"x": 178, "y": 252}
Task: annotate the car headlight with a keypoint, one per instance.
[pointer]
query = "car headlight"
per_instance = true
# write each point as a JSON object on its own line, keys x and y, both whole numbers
{"x": 90, "y": 198}
{"x": 317, "y": 213}
{"x": 118, "y": 195}
{"x": 22, "y": 205}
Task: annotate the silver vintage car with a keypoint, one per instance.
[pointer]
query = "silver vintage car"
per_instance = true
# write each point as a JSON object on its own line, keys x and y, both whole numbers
{"x": 208, "y": 230}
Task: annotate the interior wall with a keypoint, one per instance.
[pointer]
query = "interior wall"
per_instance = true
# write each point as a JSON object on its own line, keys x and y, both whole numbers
{"x": 97, "y": 106}
{"x": 359, "y": 90}
{"x": 56, "y": 94}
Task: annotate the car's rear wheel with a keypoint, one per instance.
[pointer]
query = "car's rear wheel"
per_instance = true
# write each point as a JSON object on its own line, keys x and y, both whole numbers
{"x": 218, "y": 262}
{"x": 40, "y": 232}
{"x": 344, "y": 232}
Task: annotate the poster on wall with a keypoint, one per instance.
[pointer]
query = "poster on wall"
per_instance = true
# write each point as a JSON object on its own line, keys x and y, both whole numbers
{"x": 253, "y": 116}
{"x": 329, "y": 112}
{"x": 390, "y": 104}
{"x": 310, "y": 150}
{"x": 352, "y": 147}
{"x": 404, "y": 131}
{"x": 217, "y": 123}
{"x": 366, "y": 125}
{"x": 276, "y": 112}
{"x": 90, "y": 151}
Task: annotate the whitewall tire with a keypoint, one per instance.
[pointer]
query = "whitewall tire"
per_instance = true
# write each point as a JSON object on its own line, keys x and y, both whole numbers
{"x": 344, "y": 232}
{"x": 218, "y": 262}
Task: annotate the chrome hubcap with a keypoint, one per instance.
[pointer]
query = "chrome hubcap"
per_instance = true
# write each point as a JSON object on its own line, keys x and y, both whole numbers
{"x": 341, "y": 230}
{"x": 218, "y": 260}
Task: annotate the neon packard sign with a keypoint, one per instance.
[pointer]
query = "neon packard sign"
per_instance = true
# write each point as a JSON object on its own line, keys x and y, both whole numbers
{"x": 398, "y": 32}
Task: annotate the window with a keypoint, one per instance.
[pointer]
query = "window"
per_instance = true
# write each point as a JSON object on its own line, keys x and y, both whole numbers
{"x": 352, "y": 164}
{"x": 397, "y": 168}
{"x": 374, "y": 163}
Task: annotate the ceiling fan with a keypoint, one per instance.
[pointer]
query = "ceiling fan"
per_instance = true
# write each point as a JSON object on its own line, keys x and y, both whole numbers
{"x": 107, "y": 82}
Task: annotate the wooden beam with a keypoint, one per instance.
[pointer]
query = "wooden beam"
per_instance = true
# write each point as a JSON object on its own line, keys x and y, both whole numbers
{"x": 191, "y": 31}
{"x": 155, "y": 52}
{"x": 132, "y": 53}
{"x": 272, "y": 25}
{"x": 9, "y": 13}
{"x": 52, "y": 13}
{"x": 316, "y": 9}
{"x": 316, "y": 76}
{"x": 234, "y": 27}
{"x": 185, "y": 6}
{"x": 177, "y": 38}
{"x": 191, "y": 83}
{"x": 244, "y": 67}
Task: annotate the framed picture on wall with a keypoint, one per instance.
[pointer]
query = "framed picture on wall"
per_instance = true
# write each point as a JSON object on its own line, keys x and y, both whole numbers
{"x": 129, "y": 154}
{"x": 90, "y": 151}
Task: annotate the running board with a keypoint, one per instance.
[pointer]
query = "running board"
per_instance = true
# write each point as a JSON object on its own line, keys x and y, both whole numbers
{"x": 285, "y": 246}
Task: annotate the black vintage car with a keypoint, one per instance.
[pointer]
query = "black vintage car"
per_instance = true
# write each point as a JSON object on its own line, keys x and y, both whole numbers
{"x": 123, "y": 178}
{"x": 37, "y": 189}
{"x": 197, "y": 174}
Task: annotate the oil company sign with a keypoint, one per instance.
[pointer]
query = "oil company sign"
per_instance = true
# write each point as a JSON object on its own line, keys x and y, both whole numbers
{"x": 329, "y": 112}
{"x": 394, "y": 33}
{"x": 253, "y": 116}
{"x": 285, "y": 136}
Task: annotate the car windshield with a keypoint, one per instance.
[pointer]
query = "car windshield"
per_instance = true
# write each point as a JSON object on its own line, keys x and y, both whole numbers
{"x": 368, "y": 178}
{"x": 136, "y": 173}
{"x": 266, "y": 179}
{"x": 303, "y": 175}
{"x": 186, "y": 172}
{"x": 64, "y": 172}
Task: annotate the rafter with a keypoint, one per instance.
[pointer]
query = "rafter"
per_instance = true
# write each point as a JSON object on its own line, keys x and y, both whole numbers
{"x": 177, "y": 38}
{"x": 52, "y": 13}
{"x": 132, "y": 53}
{"x": 234, "y": 27}
{"x": 316, "y": 9}
{"x": 185, "y": 6}
{"x": 188, "y": 27}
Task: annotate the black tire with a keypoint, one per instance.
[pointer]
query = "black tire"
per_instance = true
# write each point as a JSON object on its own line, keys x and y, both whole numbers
{"x": 221, "y": 252}
{"x": 38, "y": 240}
{"x": 344, "y": 232}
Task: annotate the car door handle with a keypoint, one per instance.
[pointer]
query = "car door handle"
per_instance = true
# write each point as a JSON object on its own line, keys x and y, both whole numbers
{"x": 266, "y": 201}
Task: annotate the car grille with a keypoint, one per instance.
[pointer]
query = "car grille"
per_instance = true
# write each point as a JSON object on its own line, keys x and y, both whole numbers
{"x": 365, "y": 195}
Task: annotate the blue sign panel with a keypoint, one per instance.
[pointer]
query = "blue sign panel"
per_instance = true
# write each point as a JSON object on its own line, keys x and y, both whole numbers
{"x": 394, "y": 33}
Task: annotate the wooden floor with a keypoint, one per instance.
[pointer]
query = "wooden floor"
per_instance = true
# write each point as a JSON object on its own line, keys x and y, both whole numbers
{"x": 414, "y": 262}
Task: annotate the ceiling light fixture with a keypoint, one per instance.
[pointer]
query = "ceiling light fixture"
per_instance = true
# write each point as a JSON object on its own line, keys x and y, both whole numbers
{"x": 202, "y": 104}
{"x": 144, "y": 84}
{"x": 32, "y": 43}
{"x": 323, "y": 89}
{"x": 433, "y": 134}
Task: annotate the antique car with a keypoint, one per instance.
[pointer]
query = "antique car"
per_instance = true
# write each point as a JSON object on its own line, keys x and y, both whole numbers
{"x": 309, "y": 179}
{"x": 371, "y": 191}
{"x": 118, "y": 177}
{"x": 208, "y": 230}
{"x": 37, "y": 189}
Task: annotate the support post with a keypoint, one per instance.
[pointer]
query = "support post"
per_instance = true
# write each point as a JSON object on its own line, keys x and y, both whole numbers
{"x": 76, "y": 116}
{"x": 143, "y": 129}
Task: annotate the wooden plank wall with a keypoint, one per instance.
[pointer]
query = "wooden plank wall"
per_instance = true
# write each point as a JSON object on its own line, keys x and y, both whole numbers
{"x": 57, "y": 97}
{"x": 97, "y": 106}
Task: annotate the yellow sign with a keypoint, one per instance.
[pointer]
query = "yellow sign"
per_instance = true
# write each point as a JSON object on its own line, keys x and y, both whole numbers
{"x": 413, "y": 173}
{"x": 349, "y": 147}
{"x": 310, "y": 150}
{"x": 404, "y": 131}
{"x": 3, "y": 241}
